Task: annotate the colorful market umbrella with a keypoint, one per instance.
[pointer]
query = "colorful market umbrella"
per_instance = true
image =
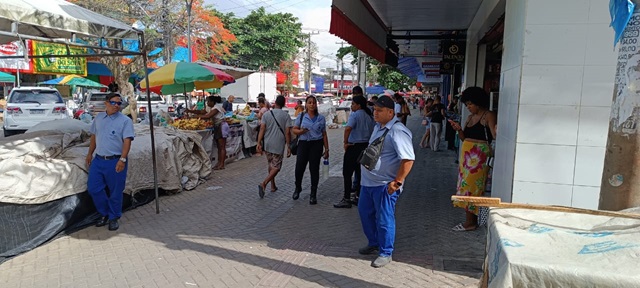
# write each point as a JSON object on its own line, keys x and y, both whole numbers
{"x": 73, "y": 80}
{"x": 7, "y": 78}
{"x": 184, "y": 76}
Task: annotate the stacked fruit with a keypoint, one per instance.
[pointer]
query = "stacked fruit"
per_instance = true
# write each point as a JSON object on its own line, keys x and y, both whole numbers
{"x": 191, "y": 124}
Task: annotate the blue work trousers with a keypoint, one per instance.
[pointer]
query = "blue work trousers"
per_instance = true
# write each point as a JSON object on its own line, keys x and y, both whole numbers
{"x": 377, "y": 213}
{"x": 102, "y": 174}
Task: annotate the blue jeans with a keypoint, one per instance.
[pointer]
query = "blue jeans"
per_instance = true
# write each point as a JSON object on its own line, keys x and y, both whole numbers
{"x": 102, "y": 174}
{"x": 377, "y": 214}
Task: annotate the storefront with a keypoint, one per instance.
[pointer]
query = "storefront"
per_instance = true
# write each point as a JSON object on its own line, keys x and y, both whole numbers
{"x": 552, "y": 66}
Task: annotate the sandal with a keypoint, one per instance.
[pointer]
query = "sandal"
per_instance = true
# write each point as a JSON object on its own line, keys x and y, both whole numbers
{"x": 260, "y": 191}
{"x": 460, "y": 228}
{"x": 274, "y": 190}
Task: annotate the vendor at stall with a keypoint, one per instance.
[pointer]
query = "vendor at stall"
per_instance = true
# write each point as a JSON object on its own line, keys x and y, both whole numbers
{"x": 220, "y": 127}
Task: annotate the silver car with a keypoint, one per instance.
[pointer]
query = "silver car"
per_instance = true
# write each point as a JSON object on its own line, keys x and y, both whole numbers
{"x": 28, "y": 106}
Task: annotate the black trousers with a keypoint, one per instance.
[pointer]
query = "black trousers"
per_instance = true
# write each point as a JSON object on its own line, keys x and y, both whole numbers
{"x": 351, "y": 165}
{"x": 309, "y": 152}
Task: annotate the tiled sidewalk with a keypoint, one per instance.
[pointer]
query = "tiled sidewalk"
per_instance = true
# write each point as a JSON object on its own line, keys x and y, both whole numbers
{"x": 223, "y": 235}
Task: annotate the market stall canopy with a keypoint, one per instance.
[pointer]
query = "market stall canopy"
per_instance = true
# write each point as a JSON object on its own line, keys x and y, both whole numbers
{"x": 235, "y": 72}
{"x": 6, "y": 77}
{"x": 73, "y": 80}
{"x": 377, "y": 89}
{"x": 58, "y": 19}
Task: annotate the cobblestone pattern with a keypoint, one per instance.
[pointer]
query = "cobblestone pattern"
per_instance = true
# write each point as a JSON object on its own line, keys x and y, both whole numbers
{"x": 226, "y": 236}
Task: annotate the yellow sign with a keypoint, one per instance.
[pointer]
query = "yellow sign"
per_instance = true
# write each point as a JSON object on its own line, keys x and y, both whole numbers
{"x": 58, "y": 65}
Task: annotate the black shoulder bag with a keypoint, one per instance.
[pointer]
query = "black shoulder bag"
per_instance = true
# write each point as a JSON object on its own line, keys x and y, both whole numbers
{"x": 370, "y": 156}
{"x": 294, "y": 143}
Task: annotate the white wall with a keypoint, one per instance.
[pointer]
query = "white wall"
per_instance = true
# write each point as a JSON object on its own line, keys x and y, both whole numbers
{"x": 509, "y": 99}
{"x": 565, "y": 78}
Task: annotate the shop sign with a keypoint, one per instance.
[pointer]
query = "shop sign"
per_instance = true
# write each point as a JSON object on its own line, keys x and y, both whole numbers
{"x": 58, "y": 65}
{"x": 430, "y": 65}
{"x": 446, "y": 67}
{"x": 429, "y": 73}
{"x": 14, "y": 48}
{"x": 453, "y": 51}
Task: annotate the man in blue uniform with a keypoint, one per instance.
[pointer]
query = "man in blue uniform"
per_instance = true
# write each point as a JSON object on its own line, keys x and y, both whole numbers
{"x": 382, "y": 185}
{"x": 111, "y": 136}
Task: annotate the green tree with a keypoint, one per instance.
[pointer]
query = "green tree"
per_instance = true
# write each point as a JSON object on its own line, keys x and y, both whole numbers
{"x": 393, "y": 79}
{"x": 264, "y": 39}
{"x": 377, "y": 72}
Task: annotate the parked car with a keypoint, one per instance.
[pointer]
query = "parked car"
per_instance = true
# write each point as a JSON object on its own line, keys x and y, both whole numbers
{"x": 93, "y": 102}
{"x": 293, "y": 101}
{"x": 157, "y": 103}
{"x": 28, "y": 106}
{"x": 239, "y": 104}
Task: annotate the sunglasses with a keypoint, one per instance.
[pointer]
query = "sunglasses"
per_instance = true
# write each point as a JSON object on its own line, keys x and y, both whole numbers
{"x": 115, "y": 103}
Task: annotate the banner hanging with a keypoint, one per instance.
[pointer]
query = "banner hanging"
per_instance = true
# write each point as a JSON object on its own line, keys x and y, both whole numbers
{"x": 58, "y": 65}
{"x": 15, "y": 48}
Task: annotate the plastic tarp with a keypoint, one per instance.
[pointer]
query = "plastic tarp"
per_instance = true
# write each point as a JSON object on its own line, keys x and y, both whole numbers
{"x": 58, "y": 19}
{"x": 532, "y": 248}
{"x": 48, "y": 162}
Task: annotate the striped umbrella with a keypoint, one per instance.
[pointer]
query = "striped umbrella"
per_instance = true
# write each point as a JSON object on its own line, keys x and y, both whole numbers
{"x": 180, "y": 77}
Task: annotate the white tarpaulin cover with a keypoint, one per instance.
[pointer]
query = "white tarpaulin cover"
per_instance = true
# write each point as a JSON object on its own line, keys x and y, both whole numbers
{"x": 531, "y": 248}
{"x": 58, "y": 19}
{"x": 48, "y": 162}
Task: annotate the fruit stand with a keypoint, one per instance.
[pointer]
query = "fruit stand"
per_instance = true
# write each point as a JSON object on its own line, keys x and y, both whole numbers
{"x": 237, "y": 140}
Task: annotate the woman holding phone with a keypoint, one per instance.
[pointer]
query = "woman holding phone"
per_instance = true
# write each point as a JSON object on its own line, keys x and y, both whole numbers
{"x": 476, "y": 136}
{"x": 312, "y": 138}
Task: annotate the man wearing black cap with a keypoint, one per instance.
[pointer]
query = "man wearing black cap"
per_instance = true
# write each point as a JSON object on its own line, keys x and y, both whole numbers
{"x": 382, "y": 185}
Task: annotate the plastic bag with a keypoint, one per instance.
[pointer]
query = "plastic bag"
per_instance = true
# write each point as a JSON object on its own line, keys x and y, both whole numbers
{"x": 621, "y": 12}
{"x": 86, "y": 118}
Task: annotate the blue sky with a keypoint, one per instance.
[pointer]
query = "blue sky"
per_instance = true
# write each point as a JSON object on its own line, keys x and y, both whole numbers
{"x": 311, "y": 13}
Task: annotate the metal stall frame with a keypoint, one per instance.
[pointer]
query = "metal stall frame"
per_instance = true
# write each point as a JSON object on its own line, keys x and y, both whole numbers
{"x": 116, "y": 52}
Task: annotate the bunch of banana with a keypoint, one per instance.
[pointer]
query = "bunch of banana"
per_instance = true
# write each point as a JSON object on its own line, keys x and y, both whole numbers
{"x": 190, "y": 124}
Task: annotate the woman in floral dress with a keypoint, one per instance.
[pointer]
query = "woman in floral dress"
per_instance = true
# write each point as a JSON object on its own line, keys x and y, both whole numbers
{"x": 476, "y": 136}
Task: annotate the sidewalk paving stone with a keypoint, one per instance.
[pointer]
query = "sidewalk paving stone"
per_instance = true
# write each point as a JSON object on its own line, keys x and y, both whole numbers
{"x": 223, "y": 235}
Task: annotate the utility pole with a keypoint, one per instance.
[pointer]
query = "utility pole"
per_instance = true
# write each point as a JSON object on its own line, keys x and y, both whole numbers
{"x": 621, "y": 177}
{"x": 362, "y": 69}
{"x": 189, "y": 5}
{"x": 309, "y": 62}
{"x": 341, "y": 70}
{"x": 309, "y": 55}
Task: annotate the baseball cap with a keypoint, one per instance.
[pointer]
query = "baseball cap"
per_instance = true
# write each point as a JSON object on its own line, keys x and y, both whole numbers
{"x": 385, "y": 101}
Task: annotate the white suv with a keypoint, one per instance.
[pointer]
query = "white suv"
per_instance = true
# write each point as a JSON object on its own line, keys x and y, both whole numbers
{"x": 157, "y": 103}
{"x": 28, "y": 106}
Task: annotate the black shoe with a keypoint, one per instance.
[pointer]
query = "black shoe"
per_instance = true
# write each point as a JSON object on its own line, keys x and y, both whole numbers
{"x": 296, "y": 194}
{"x": 354, "y": 201}
{"x": 102, "y": 221}
{"x": 344, "y": 203}
{"x": 313, "y": 200}
{"x": 368, "y": 250}
{"x": 260, "y": 191}
{"x": 113, "y": 225}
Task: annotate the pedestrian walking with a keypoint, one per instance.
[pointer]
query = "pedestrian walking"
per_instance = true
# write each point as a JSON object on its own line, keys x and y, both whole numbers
{"x": 356, "y": 139}
{"x": 426, "y": 122}
{"x": 111, "y": 136}
{"x": 382, "y": 185}
{"x": 275, "y": 131}
{"x": 312, "y": 138}
{"x": 437, "y": 116}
